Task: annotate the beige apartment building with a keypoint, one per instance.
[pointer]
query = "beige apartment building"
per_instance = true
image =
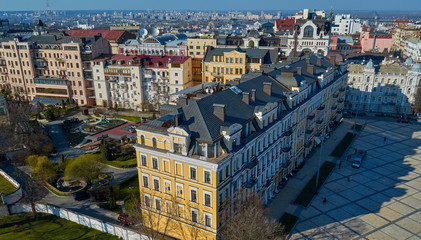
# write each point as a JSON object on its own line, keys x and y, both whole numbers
{"x": 401, "y": 34}
{"x": 197, "y": 46}
{"x": 50, "y": 68}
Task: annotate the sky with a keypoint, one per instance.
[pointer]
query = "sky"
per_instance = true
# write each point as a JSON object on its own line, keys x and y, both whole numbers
{"x": 16, "y": 5}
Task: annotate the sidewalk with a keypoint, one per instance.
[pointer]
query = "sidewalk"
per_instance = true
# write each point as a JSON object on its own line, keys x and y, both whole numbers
{"x": 284, "y": 200}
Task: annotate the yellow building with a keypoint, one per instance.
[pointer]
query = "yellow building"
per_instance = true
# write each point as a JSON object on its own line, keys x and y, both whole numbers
{"x": 401, "y": 34}
{"x": 197, "y": 46}
{"x": 249, "y": 136}
{"x": 227, "y": 64}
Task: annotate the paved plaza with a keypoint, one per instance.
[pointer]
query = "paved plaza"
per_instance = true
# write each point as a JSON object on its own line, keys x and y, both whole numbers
{"x": 381, "y": 200}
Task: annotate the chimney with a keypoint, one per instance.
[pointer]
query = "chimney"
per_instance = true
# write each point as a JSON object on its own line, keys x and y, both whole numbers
{"x": 177, "y": 120}
{"x": 182, "y": 101}
{"x": 219, "y": 111}
{"x": 319, "y": 62}
{"x": 246, "y": 98}
{"x": 310, "y": 69}
{"x": 299, "y": 70}
{"x": 332, "y": 60}
{"x": 267, "y": 88}
{"x": 236, "y": 81}
{"x": 253, "y": 95}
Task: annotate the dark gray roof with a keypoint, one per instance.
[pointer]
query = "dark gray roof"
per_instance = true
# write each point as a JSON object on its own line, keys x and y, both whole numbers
{"x": 268, "y": 55}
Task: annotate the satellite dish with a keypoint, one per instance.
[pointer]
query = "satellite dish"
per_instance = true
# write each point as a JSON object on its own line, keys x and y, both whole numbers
{"x": 155, "y": 32}
{"x": 143, "y": 32}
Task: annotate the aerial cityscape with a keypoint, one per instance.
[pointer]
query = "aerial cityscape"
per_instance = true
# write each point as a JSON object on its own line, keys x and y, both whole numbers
{"x": 230, "y": 120}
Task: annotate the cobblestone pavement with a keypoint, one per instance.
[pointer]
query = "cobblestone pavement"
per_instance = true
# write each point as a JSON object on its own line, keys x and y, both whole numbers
{"x": 381, "y": 200}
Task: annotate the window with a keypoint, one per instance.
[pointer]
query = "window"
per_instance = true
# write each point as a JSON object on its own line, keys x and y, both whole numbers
{"x": 179, "y": 169}
{"x": 142, "y": 140}
{"x": 194, "y": 215}
{"x": 180, "y": 210}
{"x": 179, "y": 187}
{"x": 155, "y": 164}
{"x": 144, "y": 160}
{"x": 158, "y": 204}
{"x": 147, "y": 200}
{"x": 168, "y": 205}
{"x": 167, "y": 166}
{"x": 193, "y": 173}
{"x": 207, "y": 177}
{"x": 154, "y": 142}
{"x": 156, "y": 184}
{"x": 207, "y": 196}
{"x": 208, "y": 219}
{"x": 167, "y": 187}
{"x": 308, "y": 31}
{"x": 145, "y": 180}
{"x": 193, "y": 195}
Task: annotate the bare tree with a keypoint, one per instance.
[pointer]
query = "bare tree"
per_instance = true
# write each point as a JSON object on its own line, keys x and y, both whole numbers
{"x": 416, "y": 106}
{"x": 247, "y": 218}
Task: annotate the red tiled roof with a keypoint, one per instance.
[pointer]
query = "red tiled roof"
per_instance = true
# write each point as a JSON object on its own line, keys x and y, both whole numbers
{"x": 109, "y": 35}
{"x": 286, "y": 23}
{"x": 118, "y": 131}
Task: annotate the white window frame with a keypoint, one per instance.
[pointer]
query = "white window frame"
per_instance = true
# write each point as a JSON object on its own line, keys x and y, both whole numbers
{"x": 208, "y": 193}
{"x": 157, "y": 161}
{"x": 160, "y": 203}
{"x": 191, "y": 214}
{"x": 204, "y": 218}
{"x": 165, "y": 190}
{"x": 159, "y": 183}
{"x": 184, "y": 210}
{"x": 190, "y": 177}
{"x": 204, "y": 176}
{"x": 143, "y": 182}
{"x": 169, "y": 165}
{"x": 168, "y": 203}
{"x": 197, "y": 194}
{"x": 146, "y": 157}
{"x": 144, "y": 201}
{"x": 182, "y": 189}
{"x": 175, "y": 169}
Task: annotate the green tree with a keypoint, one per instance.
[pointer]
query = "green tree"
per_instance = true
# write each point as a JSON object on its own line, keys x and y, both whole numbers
{"x": 63, "y": 104}
{"x": 153, "y": 116}
{"x": 113, "y": 204}
{"x": 105, "y": 150}
{"x": 87, "y": 167}
{"x": 115, "y": 107}
{"x": 42, "y": 169}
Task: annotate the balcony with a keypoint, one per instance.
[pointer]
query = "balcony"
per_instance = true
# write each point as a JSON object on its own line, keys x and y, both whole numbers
{"x": 319, "y": 121}
{"x": 310, "y": 117}
{"x": 50, "y": 81}
{"x": 286, "y": 164}
{"x": 310, "y": 131}
{"x": 321, "y": 108}
{"x": 391, "y": 94}
{"x": 250, "y": 183}
{"x": 287, "y": 133}
{"x": 251, "y": 164}
{"x": 286, "y": 149}
{"x": 341, "y": 100}
{"x": 40, "y": 66}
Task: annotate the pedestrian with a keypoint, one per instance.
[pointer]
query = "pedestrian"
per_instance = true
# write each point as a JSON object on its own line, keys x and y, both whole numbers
{"x": 324, "y": 200}
{"x": 384, "y": 139}
{"x": 348, "y": 179}
{"x": 340, "y": 164}
{"x": 356, "y": 151}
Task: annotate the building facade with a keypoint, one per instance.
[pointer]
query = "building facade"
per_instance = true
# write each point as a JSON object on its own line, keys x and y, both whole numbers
{"x": 197, "y": 46}
{"x": 344, "y": 24}
{"x": 50, "y": 68}
{"x": 401, "y": 34}
{"x": 413, "y": 49}
{"x": 309, "y": 36}
{"x": 248, "y": 136}
{"x": 164, "y": 45}
{"x": 382, "y": 88}
{"x": 376, "y": 42}
{"x": 139, "y": 82}
{"x": 227, "y": 64}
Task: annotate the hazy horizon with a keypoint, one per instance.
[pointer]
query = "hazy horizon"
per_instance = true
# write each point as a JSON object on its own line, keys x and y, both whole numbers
{"x": 218, "y": 5}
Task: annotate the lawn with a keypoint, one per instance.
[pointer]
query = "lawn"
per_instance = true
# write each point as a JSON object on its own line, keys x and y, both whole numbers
{"x": 310, "y": 189}
{"x": 23, "y": 226}
{"x": 75, "y": 138}
{"x": 343, "y": 145}
{"x": 288, "y": 221}
{"x": 5, "y": 186}
{"x": 122, "y": 164}
{"x": 357, "y": 127}
{"x": 131, "y": 118}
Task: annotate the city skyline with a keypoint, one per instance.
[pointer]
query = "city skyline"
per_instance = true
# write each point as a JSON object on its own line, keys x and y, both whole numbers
{"x": 28, "y": 5}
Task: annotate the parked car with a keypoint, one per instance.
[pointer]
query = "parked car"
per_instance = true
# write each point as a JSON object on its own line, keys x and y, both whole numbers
{"x": 358, "y": 159}
{"x": 100, "y": 183}
{"x": 81, "y": 195}
{"x": 123, "y": 219}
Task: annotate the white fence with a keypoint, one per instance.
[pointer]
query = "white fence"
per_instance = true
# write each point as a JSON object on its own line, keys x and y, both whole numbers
{"x": 14, "y": 196}
{"x": 119, "y": 231}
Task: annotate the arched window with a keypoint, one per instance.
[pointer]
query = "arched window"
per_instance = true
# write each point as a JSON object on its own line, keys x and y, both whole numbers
{"x": 366, "y": 88}
{"x": 410, "y": 82}
{"x": 142, "y": 140}
{"x": 308, "y": 31}
{"x": 368, "y": 79}
{"x": 154, "y": 142}
{"x": 409, "y": 90}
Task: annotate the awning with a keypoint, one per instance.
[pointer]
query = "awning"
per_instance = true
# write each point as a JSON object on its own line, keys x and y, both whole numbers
{"x": 317, "y": 139}
{"x": 47, "y": 100}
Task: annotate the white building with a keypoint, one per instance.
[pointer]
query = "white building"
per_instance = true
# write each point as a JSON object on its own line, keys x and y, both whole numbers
{"x": 310, "y": 36}
{"x": 344, "y": 24}
{"x": 413, "y": 49}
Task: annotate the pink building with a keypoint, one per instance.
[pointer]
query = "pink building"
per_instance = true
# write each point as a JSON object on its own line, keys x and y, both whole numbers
{"x": 375, "y": 42}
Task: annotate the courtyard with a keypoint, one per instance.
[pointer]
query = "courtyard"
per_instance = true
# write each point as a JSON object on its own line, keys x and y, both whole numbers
{"x": 381, "y": 199}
